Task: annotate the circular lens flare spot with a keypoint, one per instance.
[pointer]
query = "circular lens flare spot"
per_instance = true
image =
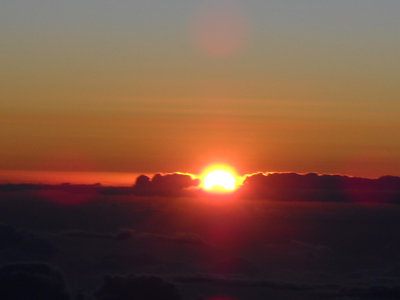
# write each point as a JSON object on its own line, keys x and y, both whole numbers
{"x": 220, "y": 28}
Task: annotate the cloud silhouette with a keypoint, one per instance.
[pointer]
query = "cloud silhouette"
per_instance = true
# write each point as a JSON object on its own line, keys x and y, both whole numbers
{"x": 275, "y": 249}
{"x": 188, "y": 238}
{"x": 251, "y": 282}
{"x": 125, "y": 234}
{"x": 234, "y": 265}
{"x": 321, "y": 188}
{"x": 32, "y": 281}
{"x": 132, "y": 287}
{"x": 373, "y": 292}
{"x": 179, "y": 237}
{"x": 120, "y": 236}
{"x": 134, "y": 260}
{"x": 164, "y": 185}
{"x": 274, "y": 186}
{"x": 23, "y": 245}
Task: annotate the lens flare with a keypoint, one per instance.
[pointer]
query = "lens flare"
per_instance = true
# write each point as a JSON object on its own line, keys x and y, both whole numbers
{"x": 220, "y": 28}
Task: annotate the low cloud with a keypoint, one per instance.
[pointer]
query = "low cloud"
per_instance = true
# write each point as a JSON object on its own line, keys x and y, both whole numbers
{"x": 164, "y": 185}
{"x": 275, "y": 186}
{"x": 125, "y": 234}
{"x": 188, "y": 238}
{"x": 321, "y": 188}
{"x": 32, "y": 281}
{"x": 119, "y": 236}
{"x": 117, "y": 261}
{"x": 180, "y": 237}
{"x": 302, "y": 249}
{"x": 234, "y": 265}
{"x": 368, "y": 292}
{"x": 18, "y": 245}
{"x": 251, "y": 283}
{"x": 136, "y": 288}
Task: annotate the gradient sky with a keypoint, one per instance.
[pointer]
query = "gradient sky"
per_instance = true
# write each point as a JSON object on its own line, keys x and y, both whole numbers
{"x": 148, "y": 86}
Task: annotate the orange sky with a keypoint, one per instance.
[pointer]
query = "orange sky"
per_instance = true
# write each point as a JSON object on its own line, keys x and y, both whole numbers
{"x": 143, "y": 88}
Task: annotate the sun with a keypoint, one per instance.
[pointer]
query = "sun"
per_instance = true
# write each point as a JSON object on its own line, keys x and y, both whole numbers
{"x": 219, "y": 179}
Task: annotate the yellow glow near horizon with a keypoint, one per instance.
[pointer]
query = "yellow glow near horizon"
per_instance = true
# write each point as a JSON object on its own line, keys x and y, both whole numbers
{"x": 219, "y": 179}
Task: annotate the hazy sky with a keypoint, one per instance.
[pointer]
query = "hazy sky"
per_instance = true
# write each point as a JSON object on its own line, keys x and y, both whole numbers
{"x": 146, "y": 86}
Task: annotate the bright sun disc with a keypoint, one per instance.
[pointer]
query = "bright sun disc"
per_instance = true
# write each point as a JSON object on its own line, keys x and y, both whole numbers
{"x": 219, "y": 180}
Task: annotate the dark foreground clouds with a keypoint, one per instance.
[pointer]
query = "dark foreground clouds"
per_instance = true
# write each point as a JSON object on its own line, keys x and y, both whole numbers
{"x": 179, "y": 237}
{"x": 125, "y": 234}
{"x": 32, "y": 281}
{"x": 372, "y": 292}
{"x": 23, "y": 245}
{"x": 202, "y": 245}
{"x": 253, "y": 283}
{"x": 320, "y": 291}
{"x": 120, "y": 236}
{"x": 132, "y": 287}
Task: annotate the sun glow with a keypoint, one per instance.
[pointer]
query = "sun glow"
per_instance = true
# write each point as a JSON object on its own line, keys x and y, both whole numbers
{"x": 219, "y": 179}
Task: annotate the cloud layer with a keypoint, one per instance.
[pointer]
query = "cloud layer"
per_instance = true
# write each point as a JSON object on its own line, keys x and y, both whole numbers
{"x": 200, "y": 245}
{"x": 274, "y": 186}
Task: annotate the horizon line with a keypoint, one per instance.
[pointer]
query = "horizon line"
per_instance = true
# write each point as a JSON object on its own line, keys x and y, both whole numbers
{"x": 110, "y": 178}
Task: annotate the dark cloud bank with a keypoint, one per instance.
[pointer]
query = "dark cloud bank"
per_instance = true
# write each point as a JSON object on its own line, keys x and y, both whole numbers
{"x": 281, "y": 236}
{"x": 275, "y": 186}
{"x": 314, "y": 187}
